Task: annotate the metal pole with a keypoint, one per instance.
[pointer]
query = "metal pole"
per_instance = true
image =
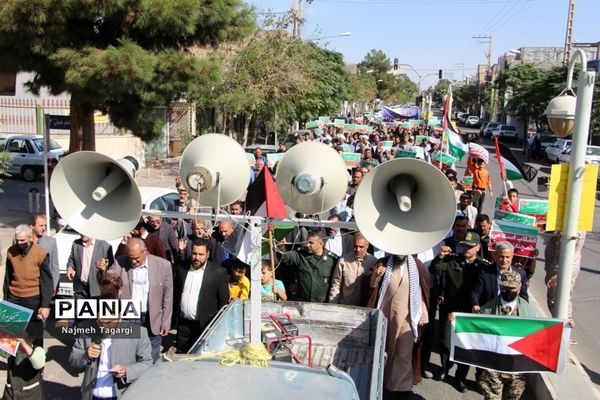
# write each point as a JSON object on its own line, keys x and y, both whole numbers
{"x": 255, "y": 279}
{"x": 39, "y": 119}
{"x": 583, "y": 110}
{"x": 46, "y": 183}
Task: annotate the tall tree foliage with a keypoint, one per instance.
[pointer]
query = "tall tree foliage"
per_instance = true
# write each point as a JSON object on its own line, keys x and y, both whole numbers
{"x": 122, "y": 57}
{"x": 278, "y": 79}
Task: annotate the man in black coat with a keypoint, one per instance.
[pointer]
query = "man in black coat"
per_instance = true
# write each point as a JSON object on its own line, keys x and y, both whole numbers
{"x": 200, "y": 292}
{"x": 487, "y": 286}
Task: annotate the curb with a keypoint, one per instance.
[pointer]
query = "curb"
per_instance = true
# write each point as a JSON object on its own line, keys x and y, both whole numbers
{"x": 573, "y": 380}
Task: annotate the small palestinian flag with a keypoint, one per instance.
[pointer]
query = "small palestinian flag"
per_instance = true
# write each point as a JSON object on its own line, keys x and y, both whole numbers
{"x": 510, "y": 344}
{"x": 510, "y": 168}
{"x": 456, "y": 147}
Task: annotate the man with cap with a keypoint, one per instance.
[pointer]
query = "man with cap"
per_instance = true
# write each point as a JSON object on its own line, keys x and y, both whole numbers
{"x": 501, "y": 385}
{"x": 456, "y": 275}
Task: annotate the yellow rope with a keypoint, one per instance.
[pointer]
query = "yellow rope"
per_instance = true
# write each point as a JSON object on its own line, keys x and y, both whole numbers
{"x": 249, "y": 354}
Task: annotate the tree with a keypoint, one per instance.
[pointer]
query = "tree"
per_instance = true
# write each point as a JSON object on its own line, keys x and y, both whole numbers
{"x": 278, "y": 78}
{"x": 5, "y": 163}
{"x": 121, "y": 57}
{"x": 375, "y": 62}
{"x": 394, "y": 89}
{"x": 439, "y": 90}
{"x": 465, "y": 97}
{"x": 362, "y": 90}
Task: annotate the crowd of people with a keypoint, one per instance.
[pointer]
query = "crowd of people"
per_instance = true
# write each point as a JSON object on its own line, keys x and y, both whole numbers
{"x": 183, "y": 271}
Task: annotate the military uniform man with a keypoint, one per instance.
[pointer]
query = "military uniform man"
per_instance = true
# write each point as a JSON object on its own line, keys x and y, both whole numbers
{"x": 310, "y": 270}
{"x": 500, "y": 385}
{"x": 456, "y": 274}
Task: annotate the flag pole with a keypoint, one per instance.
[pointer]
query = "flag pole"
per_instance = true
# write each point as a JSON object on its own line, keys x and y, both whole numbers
{"x": 272, "y": 256}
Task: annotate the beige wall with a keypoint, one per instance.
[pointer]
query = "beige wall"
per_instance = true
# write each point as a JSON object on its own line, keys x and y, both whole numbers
{"x": 115, "y": 146}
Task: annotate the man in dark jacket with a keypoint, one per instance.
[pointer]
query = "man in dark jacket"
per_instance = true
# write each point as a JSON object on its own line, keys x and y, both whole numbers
{"x": 457, "y": 274}
{"x": 200, "y": 292}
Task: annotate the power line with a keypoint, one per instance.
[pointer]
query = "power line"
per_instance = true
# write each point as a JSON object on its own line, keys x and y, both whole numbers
{"x": 500, "y": 24}
{"x": 493, "y": 20}
{"x": 423, "y": 2}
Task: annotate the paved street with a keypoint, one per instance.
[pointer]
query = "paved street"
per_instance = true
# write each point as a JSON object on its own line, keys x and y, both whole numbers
{"x": 63, "y": 383}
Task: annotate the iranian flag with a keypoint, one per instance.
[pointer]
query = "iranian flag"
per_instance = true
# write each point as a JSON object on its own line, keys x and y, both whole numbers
{"x": 510, "y": 167}
{"x": 510, "y": 344}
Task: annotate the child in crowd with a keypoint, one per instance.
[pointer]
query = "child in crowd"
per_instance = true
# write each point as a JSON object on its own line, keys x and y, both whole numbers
{"x": 239, "y": 284}
{"x": 266, "y": 291}
{"x": 24, "y": 371}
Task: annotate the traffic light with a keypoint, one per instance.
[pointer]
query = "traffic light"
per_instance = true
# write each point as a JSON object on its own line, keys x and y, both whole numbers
{"x": 395, "y": 64}
{"x": 439, "y": 74}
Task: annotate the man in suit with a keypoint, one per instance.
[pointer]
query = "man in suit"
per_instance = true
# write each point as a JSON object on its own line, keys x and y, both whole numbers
{"x": 165, "y": 232}
{"x": 39, "y": 226}
{"x": 201, "y": 291}
{"x": 487, "y": 286}
{"x": 88, "y": 260}
{"x": 148, "y": 279}
{"x": 336, "y": 242}
{"x": 153, "y": 243}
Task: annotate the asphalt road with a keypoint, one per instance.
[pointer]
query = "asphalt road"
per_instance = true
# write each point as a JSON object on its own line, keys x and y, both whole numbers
{"x": 61, "y": 382}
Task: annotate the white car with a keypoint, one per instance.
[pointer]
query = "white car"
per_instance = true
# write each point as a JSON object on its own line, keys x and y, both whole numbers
{"x": 27, "y": 154}
{"x": 555, "y": 149}
{"x": 153, "y": 198}
{"x": 505, "y": 132}
{"x": 592, "y": 155}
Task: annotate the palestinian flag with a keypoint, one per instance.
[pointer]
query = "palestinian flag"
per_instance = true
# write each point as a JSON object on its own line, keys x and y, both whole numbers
{"x": 510, "y": 167}
{"x": 510, "y": 344}
{"x": 456, "y": 147}
{"x": 263, "y": 200}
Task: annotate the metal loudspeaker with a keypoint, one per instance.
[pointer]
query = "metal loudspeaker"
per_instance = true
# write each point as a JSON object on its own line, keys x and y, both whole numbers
{"x": 96, "y": 195}
{"x": 214, "y": 170}
{"x": 404, "y": 206}
{"x": 312, "y": 177}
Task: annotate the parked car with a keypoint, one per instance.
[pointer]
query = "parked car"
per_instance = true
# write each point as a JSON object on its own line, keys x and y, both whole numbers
{"x": 504, "y": 132}
{"x": 592, "y": 155}
{"x": 153, "y": 198}
{"x": 489, "y": 128}
{"x": 27, "y": 154}
{"x": 546, "y": 139}
{"x": 472, "y": 121}
{"x": 556, "y": 148}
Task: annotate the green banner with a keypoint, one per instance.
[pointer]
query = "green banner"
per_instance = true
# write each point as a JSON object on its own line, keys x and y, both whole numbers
{"x": 387, "y": 144}
{"x": 346, "y": 148}
{"x": 533, "y": 207}
{"x": 420, "y": 139}
{"x": 324, "y": 119}
{"x": 405, "y": 154}
{"x": 312, "y": 124}
{"x": 273, "y": 158}
{"x": 13, "y": 317}
{"x": 368, "y": 163}
{"x": 251, "y": 159}
{"x": 351, "y": 127}
{"x": 515, "y": 217}
{"x": 445, "y": 158}
{"x": 339, "y": 122}
{"x": 404, "y": 125}
{"x": 352, "y": 160}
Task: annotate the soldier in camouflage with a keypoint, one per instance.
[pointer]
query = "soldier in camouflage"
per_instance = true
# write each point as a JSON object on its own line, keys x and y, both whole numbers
{"x": 500, "y": 385}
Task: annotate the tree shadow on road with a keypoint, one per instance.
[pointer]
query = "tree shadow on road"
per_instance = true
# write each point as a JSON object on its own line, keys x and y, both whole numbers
{"x": 58, "y": 391}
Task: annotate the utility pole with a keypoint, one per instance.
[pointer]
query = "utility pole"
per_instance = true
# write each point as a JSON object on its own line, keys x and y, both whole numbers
{"x": 569, "y": 33}
{"x": 297, "y": 19}
{"x": 488, "y": 39}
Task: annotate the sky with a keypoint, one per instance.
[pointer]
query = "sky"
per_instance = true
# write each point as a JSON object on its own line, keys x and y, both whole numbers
{"x": 438, "y": 34}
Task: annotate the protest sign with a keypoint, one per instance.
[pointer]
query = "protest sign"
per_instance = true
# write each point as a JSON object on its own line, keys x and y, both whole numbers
{"x": 9, "y": 345}
{"x": 273, "y": 158}
{"x": 312, "y": 124}
{"x": 405, "y": 154}
{"x": 346, "y": 148}
{"x": 352, "y": 160}
{"x": 445, "y": 158}
{"x": 387, "y": 144}
{"x": 467, "y": 182}
{"x": 515, "y": 217}
{"x": 522, "y": 237}
{"x": 364, "y": 163}
{"x": 533, "y": 206}
{"x": 251, "y": 159}
{"x": 350, "y": 127}
{"x": 13, "y": 321}
{"x": 558, "y": 199}
{"x": 324, "y": 119}
{"x": 339, "y": 122}
{"x": 404, "y": 125}
{"x": 420, "y": 139}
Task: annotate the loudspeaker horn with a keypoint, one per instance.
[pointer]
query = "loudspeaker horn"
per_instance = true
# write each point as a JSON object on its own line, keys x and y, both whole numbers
{"x": 312, "y": 177}
{"x": 404, "y": 206}
{"x": 96, "y": 195}
{"x": 214, "y": 169}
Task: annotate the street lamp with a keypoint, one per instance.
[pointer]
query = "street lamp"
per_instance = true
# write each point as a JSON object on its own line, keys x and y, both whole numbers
{"x": 562, "y": 113}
